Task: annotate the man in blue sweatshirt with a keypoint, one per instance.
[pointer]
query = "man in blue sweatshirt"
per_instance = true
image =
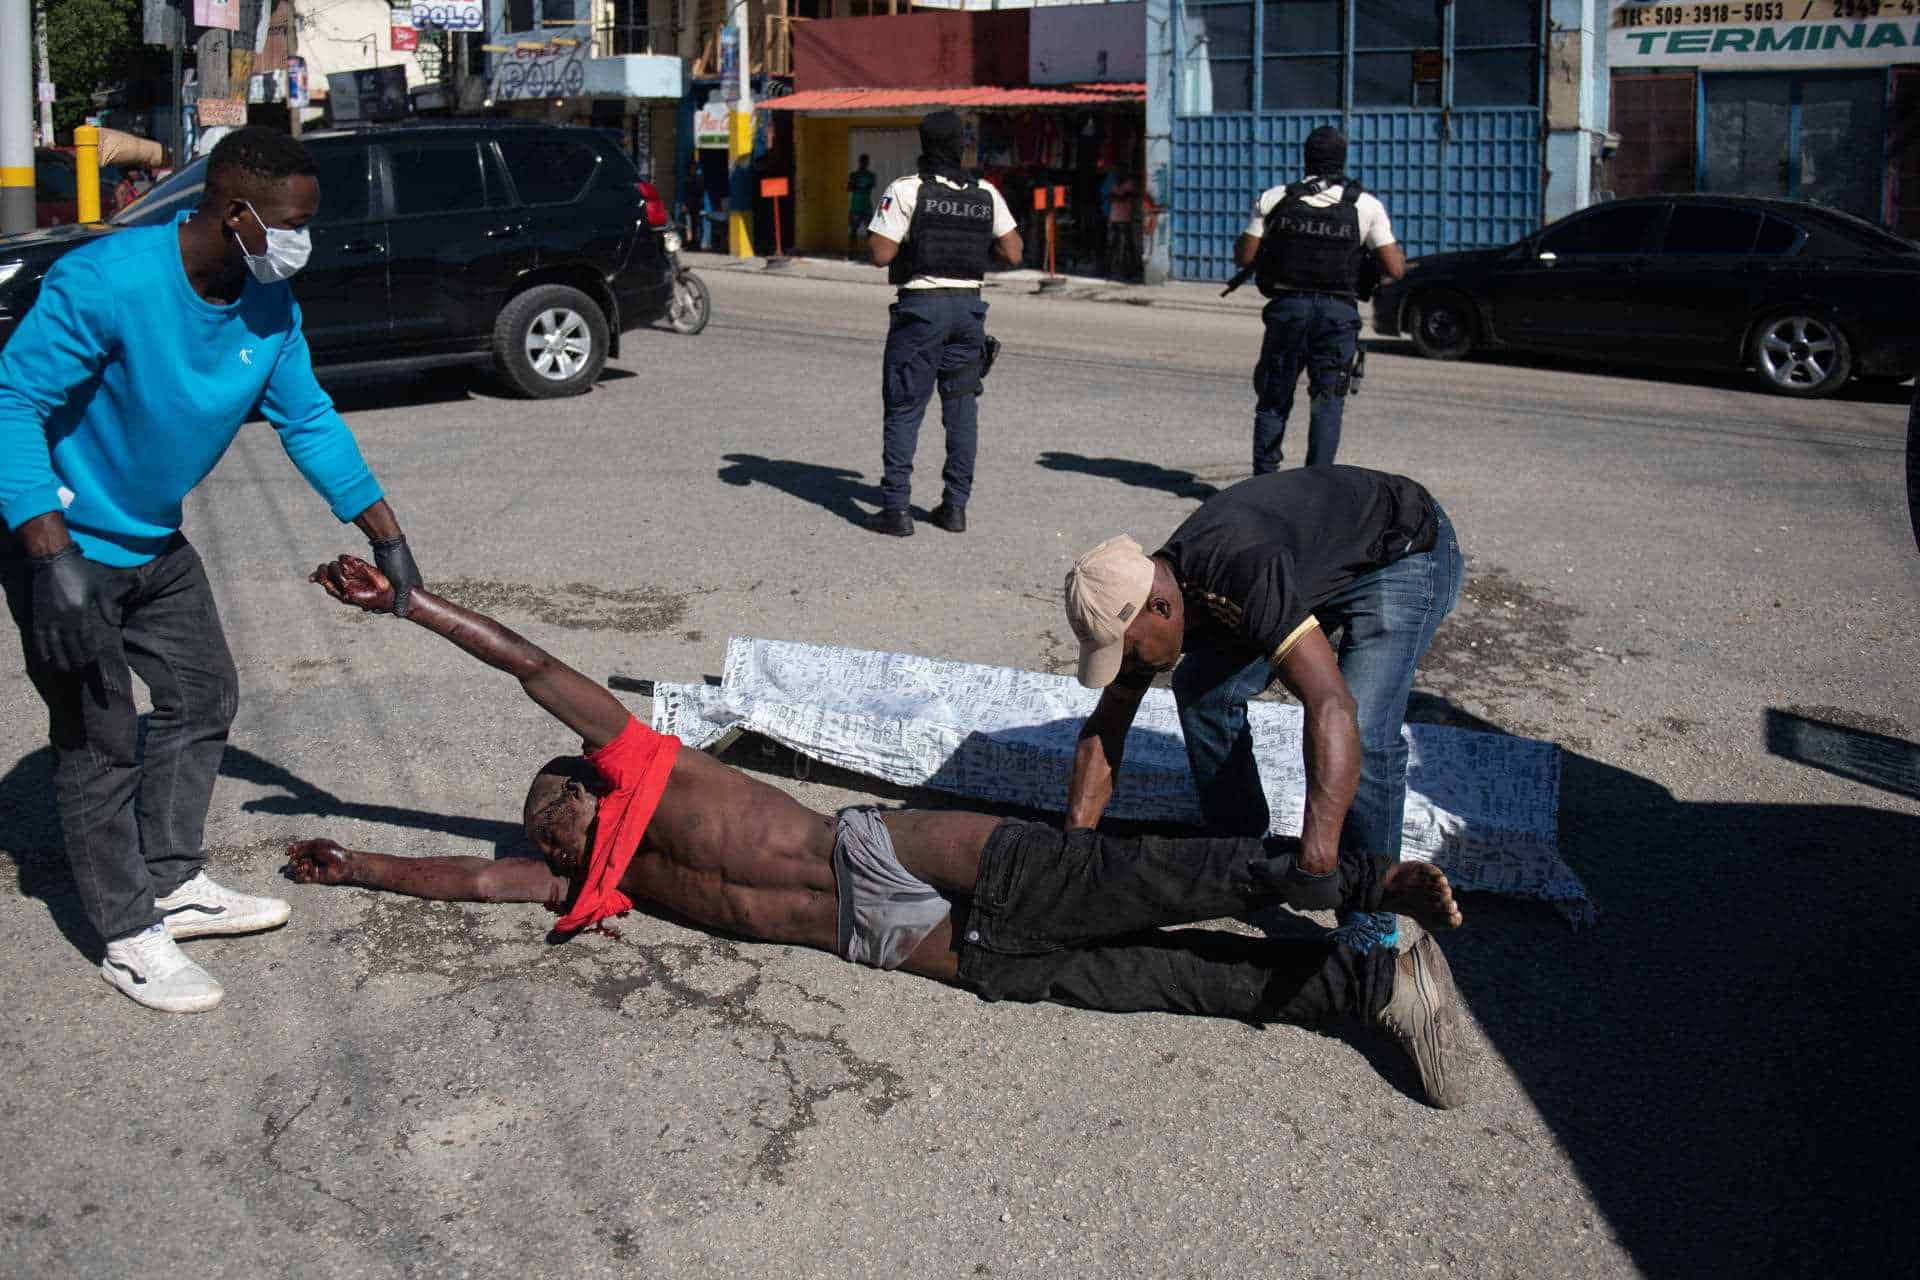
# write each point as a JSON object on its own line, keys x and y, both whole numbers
{"x": 119, "y": 392}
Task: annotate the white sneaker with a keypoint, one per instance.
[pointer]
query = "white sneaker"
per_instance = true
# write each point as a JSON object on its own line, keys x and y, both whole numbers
{"x": 153, "y": 971}
{"x": 200, "y": 907}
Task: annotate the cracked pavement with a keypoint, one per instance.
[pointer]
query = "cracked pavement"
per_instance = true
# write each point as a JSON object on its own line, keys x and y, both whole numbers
{"x": 1707, "y": 1082}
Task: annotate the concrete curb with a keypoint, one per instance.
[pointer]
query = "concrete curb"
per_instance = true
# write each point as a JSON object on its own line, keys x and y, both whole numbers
{"x": 1175, "y": 295}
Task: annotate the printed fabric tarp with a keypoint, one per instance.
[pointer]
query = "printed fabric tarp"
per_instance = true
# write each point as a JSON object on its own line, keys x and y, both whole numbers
{"x": 1484, "y": 806}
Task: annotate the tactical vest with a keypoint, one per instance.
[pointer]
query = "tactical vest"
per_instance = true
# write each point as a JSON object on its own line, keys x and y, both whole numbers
{"x": 950, "y": 234}
{"x": 1312, "y": 250}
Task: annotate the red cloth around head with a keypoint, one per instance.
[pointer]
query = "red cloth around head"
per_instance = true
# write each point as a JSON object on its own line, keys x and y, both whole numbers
{"x": 635, "y": 765}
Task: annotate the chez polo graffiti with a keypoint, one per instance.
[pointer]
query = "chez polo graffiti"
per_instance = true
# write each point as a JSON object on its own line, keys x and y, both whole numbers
{"x": 1790, "y": 44}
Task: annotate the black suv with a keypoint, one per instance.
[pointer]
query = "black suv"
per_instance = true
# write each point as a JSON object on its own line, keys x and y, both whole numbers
{"x": 529, "y": 247}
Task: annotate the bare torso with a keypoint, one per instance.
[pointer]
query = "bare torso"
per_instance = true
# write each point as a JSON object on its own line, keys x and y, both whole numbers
{"x": 730, "y": 852}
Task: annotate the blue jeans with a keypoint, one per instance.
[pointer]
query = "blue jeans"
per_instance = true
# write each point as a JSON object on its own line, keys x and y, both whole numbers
{"x": 936, "y": 337}
{"x": 1387, "y": 619}
{"x": 1316, "y": 332}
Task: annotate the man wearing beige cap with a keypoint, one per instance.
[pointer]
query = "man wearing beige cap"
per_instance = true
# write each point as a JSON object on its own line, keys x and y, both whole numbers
{"x": 1245, "y": 591}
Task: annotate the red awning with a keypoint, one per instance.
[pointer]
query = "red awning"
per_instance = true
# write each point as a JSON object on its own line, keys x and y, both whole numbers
{"x": 989, "y": 97}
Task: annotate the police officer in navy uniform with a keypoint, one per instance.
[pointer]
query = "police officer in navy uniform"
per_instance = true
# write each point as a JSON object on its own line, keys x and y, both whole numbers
{"x": 934, "y": 232}
{"x": 1309, "y": 243}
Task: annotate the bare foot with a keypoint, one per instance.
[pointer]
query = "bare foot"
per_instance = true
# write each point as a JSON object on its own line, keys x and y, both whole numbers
{"x": 1420, "y": 890}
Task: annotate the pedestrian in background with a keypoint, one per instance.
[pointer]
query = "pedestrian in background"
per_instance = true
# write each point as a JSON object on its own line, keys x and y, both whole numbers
{"x": 1309, "y": 242}
{"x": 693, "y": 199}
{"x": 1122, "y": 260}
{"x": 934, "y": 232}
{"x": 860, "y": 184}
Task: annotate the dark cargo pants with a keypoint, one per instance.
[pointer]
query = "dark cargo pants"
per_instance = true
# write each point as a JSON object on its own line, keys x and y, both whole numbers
{"x": 937, "y": 337}
{"x": 1317, "y": 333}
{"x": 1076, "y": 918}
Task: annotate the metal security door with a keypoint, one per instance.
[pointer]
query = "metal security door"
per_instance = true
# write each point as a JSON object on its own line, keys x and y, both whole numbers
{"x": 1802, "y": 137}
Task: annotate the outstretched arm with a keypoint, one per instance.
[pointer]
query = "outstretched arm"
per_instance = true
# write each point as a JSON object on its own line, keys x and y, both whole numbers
{"x": 577, "y": 702}
{"x": 443, "y": 879}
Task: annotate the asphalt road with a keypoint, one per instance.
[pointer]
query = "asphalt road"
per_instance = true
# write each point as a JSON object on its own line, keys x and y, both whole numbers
{"x": 1712, "y": 1080}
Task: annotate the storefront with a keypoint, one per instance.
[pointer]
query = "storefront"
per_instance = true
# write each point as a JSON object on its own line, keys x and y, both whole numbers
{"x": 1441, "y": 102}
{"x": 1814, "y": 101}
{"x": 552, "y": 73}
{"x": 1020, "y": 139}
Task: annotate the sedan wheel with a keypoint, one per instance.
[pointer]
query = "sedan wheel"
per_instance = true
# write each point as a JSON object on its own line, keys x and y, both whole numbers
{"x": 1442, "y": 325}
{"x": 1798, "y": 354}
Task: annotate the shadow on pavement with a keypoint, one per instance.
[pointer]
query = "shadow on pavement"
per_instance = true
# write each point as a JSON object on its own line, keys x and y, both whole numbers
{"x": 836, "y": 490}
{"x": 1859, "y": 391}
{"x": 1726, "y": 1056}
{"x": 1143, "y": 475}
{"x": 31, "y": 834}
{"x": 356, "y": 391}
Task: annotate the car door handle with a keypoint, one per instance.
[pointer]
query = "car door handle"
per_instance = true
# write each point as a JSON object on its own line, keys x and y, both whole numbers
{"x": 501, "y": 233}
{"x": 363, "y": 246}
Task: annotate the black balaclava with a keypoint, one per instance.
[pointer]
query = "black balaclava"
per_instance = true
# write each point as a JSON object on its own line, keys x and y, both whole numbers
{"x": 1326, "y": 152}
{"x": 942, "y": 140}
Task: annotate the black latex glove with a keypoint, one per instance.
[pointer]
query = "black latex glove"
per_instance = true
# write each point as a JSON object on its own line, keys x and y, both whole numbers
{"x": 68, "y": 628}
{"x": 392, "y": 558}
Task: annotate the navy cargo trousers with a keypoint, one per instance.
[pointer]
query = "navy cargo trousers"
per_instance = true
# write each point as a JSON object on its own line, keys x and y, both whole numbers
{"x": 1314, "y": 333}
{"x": 937, "y": 337}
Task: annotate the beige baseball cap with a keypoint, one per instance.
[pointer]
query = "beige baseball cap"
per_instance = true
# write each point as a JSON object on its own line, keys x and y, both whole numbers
{"x": 1106, "y": 590}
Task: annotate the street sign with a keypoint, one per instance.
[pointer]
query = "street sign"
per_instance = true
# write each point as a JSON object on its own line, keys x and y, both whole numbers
{"x": 449, "y": 15}
{"x": 46, "y": 91}
{"x": 404, "y": 39}
{"x": 710, "y": 125}
{"x": 227, "y": 111}
{"x": 773, "y": 188}
{"x": 730, "y": 62}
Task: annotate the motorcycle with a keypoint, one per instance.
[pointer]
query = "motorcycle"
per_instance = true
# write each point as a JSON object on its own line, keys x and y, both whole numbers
{"x": 692, "y": 305}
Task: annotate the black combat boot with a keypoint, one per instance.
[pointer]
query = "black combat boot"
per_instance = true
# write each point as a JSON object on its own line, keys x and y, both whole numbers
{"x": 894, "y": 523}
{"x": 952, "y": 519}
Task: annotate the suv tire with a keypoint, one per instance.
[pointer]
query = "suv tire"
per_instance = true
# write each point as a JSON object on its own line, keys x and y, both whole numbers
{"x": 550, "y": 341}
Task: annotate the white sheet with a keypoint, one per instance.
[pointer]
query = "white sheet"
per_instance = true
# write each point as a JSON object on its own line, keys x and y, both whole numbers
{"x": 1484, "y": 806}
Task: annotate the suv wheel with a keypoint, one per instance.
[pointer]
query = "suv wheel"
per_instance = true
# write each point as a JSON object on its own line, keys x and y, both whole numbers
{"x": 1800, "y": 354}
{"x": 550, "y": 341}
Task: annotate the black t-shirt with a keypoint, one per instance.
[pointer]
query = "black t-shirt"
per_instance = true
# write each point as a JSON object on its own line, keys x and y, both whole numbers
{"x": 1257, "y": 559}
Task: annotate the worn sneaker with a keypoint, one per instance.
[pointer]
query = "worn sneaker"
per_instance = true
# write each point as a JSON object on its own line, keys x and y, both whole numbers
{"x": 200, "y": 907}
{"x": 1424, "y": 1015}
{"x": 151, "y": 968}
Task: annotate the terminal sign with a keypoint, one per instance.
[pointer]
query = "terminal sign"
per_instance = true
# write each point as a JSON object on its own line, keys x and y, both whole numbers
{"x": 1764, "y": 34}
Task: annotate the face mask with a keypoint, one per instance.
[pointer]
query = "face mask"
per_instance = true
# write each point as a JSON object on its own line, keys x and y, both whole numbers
{"x": 286, "y": 252}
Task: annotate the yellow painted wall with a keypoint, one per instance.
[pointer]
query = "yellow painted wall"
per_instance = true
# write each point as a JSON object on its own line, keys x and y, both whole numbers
{"x": 821, "y": 165}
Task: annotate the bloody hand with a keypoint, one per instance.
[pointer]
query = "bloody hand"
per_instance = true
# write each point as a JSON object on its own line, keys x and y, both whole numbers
{"x": 318, "y": 862}
{"x": 353, "y": 581}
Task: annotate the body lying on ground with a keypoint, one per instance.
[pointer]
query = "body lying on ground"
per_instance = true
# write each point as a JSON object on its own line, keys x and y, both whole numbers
{"x": 1012, "y": 910}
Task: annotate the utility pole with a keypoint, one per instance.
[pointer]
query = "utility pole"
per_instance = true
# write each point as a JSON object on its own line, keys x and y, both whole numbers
{"x": 177, "y": 94}
{"x": 16, "y": 119}
{"x": 293, "y": 49}
{"x": 46, "y": 69}
{"x": 740, "y": 137}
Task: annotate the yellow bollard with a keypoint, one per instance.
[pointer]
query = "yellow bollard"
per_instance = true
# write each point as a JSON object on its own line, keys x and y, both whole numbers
{"x": 86, "y": 172}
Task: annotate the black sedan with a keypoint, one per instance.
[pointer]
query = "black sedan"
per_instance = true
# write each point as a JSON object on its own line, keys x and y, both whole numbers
{"x": 1803, "y": 296}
